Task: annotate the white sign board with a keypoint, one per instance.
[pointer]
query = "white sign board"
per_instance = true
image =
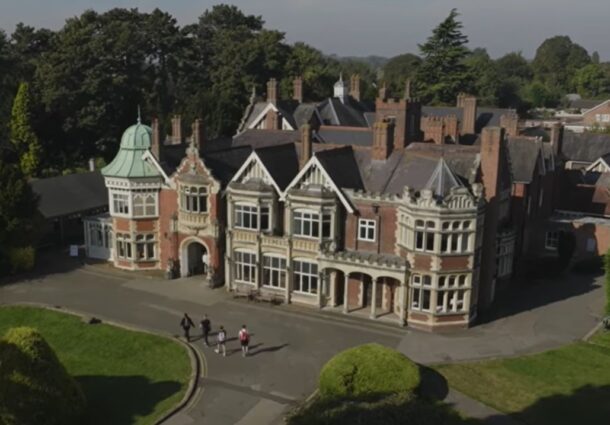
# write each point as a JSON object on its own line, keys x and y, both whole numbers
{"x": 73, "y": 250}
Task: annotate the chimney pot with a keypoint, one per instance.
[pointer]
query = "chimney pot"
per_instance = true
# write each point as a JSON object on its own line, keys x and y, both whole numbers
{"x": 156, "y": 139}
{"x": 176, "y": 130}
{"x": 306, "y": 148}
{"x": 197, "y": 134}
{"x": 298, "y": 89}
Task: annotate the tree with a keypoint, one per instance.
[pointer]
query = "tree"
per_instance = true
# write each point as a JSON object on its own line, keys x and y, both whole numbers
{"x": 22, "y": 135}
{"x": 35, "y": 388}
{"x": 18, "y": 211}
{"x": 398, "y": 69}
{"x": 607, "y": 270}
{"x": 487, "y": 83}
{"x": 443, "y": 73}
{"x": 592, "y": 81}
{"x": 557, "y": 60}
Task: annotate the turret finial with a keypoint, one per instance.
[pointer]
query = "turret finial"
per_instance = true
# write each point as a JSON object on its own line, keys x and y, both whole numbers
{"x": 139, "y": 117}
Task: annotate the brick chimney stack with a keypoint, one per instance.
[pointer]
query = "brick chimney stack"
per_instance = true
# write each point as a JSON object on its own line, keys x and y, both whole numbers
{"x": 354, "y": 86}
{"x": 469, "y": 113}
{"x": 155, "y": 147}
{"x": 510, "y": 123}
{"x": 383, "y": 140}
{"x": 556, "y": 137}
{"x": 306, "y": 148}
{"x": 491, "y": 151}
{"x": 197, "y": 134}
{"x": 297, "y": 93}
{"x": 435, "y": 130}
{"x": 272, "y": 91}
{"x": 176, "y": 130}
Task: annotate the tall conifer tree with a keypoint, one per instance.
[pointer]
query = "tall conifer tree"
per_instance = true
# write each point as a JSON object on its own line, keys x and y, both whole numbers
{"x": 22, "y": 135}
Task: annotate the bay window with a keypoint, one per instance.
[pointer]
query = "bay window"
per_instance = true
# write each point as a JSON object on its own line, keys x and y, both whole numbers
{"x": 274, "y": 271}
{"x": 123, "y": 245}
{"x": 120, "y": 202}
{"x": 424, "y": 235}
{"x": 305, "y": 277}
{"x": 194, "y": 199}
{"x": 145, "y": 247}
{"x": 309, "y": 223}
{"x": 455, "y": 237}
{"x": 245, "y": 267}
{"x": 252, "y": 217}
{"x": 421, "y": 292}
{"x": 145, "y": 204}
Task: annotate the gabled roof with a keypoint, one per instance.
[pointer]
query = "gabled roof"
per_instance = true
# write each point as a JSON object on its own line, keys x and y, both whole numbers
{"x": 585, "y": 147}
{"x": 262, "y": 138}
{"x": 71, "y": 194}
{"x": 348, "y": 114}
{"x": 601, "y": 103}
{"x": 281, "y": 162}
{"x": 442, "y": 180}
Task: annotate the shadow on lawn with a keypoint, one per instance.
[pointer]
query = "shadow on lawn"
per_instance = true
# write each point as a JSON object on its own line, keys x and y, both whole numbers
{"x": 118, "y": 400}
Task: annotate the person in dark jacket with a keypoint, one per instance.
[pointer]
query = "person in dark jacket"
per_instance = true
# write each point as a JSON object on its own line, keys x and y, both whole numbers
{"x": 206, "y": 327}
{"x": 187, "y": 323}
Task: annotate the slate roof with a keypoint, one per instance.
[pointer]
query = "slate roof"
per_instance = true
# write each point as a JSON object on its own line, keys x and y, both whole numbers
{"x": 71, "y": 194}
{"x": 343, "y": 136}
{"x": 282, "y": 162}
{"x": 225, "y": 163}
{"x": 442, "y": 179}
{"x": 262, "y": 138}
{"x": 348, "y": 114}
{"x": 486, "y": 117}
{"x": 585, "y": 147}
{"x": 584, "y": 104}
{"x": 342, "y": 167}
{"x": 524, "y": 153}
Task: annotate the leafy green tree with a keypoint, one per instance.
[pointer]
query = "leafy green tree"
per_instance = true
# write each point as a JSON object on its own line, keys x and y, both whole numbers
{"x": 539, "y": 95}
{"x": 487, "y": 83}
{"x": 398, "y": 69}
{"x": 28, "y": 44}
{"x": 7, "y": 83}
{"x": 22, "y": 135}
{"x": 443, "y": 73}
{"x": 592, "y": 81}
{"x": 557, "y": 60}
{"x": 319, "y": 73}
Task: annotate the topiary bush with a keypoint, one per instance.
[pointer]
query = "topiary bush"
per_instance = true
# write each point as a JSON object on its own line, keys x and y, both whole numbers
{"x": 35, "y": 388}
{"x": 367, "y": 372}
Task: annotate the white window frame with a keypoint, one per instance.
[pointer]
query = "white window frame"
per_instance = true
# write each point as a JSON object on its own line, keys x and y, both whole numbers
{"x": 451, "y": 293}
{"x": 421, "y": 286}
{"x": 454, "y": 239}
{"x": 256, "y": 214}
{"x": 120, "y": 202}
{"x": 427, "y": 230}
{"x": 145, "y": 203}
{"x": 302, "y": 219}
{"x": 194, "y": 199}
{"x": 367, "y": 230}
{"x": 245, "y": 263}
{"x": 146, "y": 247}
{"x": 305, "y": 276}
{"x": 274, "y": 275}
{"x": 551, "y": 240}
{"x": 124, "y": 250}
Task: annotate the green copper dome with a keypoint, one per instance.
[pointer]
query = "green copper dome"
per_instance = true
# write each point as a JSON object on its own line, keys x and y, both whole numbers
{"x": 128, "y": 162}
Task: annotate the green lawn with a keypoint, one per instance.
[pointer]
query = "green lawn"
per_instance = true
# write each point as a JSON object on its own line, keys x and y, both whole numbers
{"x": 128, "y": 377}
{"x": 567, "y": 386}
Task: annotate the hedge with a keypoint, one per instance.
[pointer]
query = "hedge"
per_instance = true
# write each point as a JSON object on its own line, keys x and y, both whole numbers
{"x": 35, "y": 388}
{"x": 367, "y": 372}
{"x": 21, "y": 259}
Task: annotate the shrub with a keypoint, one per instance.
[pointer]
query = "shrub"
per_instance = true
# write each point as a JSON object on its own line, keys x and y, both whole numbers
{"x": 396, "y": 409}
{"x": 35, "y": 388}
{"x": 367, "y": 372}
{"x": 21, "y": 259}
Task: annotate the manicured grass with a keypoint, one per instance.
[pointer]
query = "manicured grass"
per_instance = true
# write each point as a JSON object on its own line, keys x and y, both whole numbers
{"x": 567, "y": 386}
{"x": 128, "y": 377}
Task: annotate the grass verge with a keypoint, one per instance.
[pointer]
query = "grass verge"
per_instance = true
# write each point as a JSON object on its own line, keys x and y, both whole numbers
{"x": 566, "y": 386}
{"x": 128, "y": 377}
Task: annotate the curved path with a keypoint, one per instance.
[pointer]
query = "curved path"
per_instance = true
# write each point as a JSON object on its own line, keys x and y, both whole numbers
{"x": 289, "y": 345}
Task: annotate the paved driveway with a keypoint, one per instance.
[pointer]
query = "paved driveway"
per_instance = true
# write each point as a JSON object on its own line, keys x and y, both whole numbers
{"x": 290, "y": 345}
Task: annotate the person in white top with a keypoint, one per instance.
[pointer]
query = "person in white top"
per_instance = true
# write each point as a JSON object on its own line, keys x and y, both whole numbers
{"x": 221, "y": 340}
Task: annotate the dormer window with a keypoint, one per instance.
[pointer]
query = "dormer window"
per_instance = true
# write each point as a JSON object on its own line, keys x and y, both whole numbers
{"x": 194, "y": 199}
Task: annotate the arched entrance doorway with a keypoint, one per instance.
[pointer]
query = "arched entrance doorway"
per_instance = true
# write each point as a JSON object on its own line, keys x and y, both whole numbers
{"x": 194, "y": 259}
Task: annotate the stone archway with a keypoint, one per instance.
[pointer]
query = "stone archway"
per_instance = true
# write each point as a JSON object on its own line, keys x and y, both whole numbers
{"x": 194, "y": 258}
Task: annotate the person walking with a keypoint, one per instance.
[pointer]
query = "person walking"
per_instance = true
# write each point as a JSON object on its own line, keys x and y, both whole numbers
{"x": 187, "y": 323}
{"x": 221, "y": 339}
{"x": 206, "y": 327}
{"x": 244, "y": 339}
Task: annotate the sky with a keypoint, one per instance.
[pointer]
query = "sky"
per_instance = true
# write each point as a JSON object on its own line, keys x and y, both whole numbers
{"x": 371, "y": 27}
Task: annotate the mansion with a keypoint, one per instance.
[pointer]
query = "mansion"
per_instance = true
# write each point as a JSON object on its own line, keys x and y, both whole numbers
{"x": 394, "y": 210}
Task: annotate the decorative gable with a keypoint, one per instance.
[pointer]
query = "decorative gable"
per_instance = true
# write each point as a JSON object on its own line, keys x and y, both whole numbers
{"x": 314, "y": 175}
{"x": 192, "y": 169}
{"x": 253, "y": 169}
